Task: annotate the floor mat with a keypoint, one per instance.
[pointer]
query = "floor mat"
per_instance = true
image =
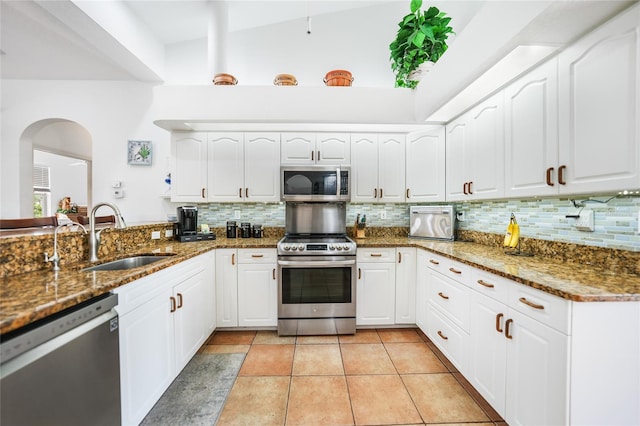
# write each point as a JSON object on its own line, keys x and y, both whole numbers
{"x": 197, "y": 395}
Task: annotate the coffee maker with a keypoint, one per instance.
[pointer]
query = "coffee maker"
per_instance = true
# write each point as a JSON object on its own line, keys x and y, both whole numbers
{"x": 187, "y": 225}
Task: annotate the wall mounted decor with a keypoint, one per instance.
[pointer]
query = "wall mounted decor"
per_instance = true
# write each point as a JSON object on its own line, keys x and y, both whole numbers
{"x": 139, "y": 153}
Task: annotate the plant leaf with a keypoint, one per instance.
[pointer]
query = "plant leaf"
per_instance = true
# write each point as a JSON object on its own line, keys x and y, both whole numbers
{"x": 418, "y": 38}
{"x": 415, "y": 5}
{"x": 431, "y": 12}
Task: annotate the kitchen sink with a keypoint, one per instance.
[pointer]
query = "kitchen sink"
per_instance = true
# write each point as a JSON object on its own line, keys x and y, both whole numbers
{"x": 128, "y": 263}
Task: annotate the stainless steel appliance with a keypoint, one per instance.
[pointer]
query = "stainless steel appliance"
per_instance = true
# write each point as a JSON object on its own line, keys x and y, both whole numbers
{"x": 315, "y": 183}
{"x": 63, "y": 370}
{"x": 432, "y": 222}
{"x": 316, "y": 271}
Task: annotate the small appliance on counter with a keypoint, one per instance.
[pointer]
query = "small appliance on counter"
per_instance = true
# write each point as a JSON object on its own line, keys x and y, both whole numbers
{"x": 432, "y": 222}
{"x": 245, "y": 230}
{"x": 232, "y": 229}
{"x": 186, "y": 229}
{"x": 258, "y": 232}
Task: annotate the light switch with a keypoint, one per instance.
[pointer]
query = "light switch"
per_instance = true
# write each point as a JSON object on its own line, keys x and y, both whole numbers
{"x": 116, "y": 184}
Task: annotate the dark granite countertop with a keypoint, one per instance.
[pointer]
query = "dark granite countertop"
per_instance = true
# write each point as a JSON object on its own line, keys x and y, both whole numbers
{"x": 28, "y": 297}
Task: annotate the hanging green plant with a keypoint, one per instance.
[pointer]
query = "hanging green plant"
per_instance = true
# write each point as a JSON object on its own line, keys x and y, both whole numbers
{"x": 422, "y": 37}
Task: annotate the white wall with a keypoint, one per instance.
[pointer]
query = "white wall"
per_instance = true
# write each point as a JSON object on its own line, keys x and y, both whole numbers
{"x": 112, "y": 113}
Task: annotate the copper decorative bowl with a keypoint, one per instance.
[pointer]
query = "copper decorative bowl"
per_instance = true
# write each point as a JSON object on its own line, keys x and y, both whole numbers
{"x": 223, "y": 79}
{"x": 338, "y": 78}
{"x": 285, "y": 80}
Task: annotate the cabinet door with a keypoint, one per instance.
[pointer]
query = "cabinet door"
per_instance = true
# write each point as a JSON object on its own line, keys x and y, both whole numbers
{"x": 262, "y": 167}
{"x": 459, "y": 169}
{"x": 531, "y": 125}
{"x": 487, "y": 149}
{"x": 599, "y": 89}
{"x": 425, "y": 162}
{"x": 257, "y": 295}
{"x": 391, "y": 168}
{"x": 364, "y": 168}
{"x": 189, "y": 167}
{"x": 488, "y": 363}
{"x": 333, "y": 148}
{"x": 147, "y": 356}
{"x": 227, "y": 287}
{"x": 190, "y": 318}
{"x": 405, "y": 285}
{"x": 298, "y": 148}
{"x": 375, "y": 300}
{"x": 537, "y": 356}
{"x": 226, "y": 167}
{"x": 209, "y": 260}
{"x": 422, "y": 278}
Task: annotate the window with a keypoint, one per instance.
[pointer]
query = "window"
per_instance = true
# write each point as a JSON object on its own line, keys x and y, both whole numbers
{"x": 41, "y": 191}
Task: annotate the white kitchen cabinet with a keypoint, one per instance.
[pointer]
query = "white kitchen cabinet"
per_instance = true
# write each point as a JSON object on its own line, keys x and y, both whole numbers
{"x": 519, "y": 360}
{"x": 163, "y": 321}
{"x": 315, "y": 148}
{"x": 405, "y": 310}
{"x": 422, "y": 278}
{"x": 378, "y": 168}
{"x": 599, "y": 98}
{"x": 531, "y": 133}
{"x": 425, "y": 163}
{"x": 188, "y": 167}
{"x": 227, "y": 287}
{"x": 257, "y": 288}
{"x": 243, "y": 167}
{"x": 376, "y": 289}
{"x": 475, "y": 152}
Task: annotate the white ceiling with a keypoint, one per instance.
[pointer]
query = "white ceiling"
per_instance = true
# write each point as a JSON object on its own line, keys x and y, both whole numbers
{"x": 55, "y": 39}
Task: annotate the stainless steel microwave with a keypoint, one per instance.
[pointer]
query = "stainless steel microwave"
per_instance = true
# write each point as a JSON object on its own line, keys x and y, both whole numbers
{"x": 315, "y": 183}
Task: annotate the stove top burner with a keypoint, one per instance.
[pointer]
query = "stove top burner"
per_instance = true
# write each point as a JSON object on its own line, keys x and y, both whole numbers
{"x": 316, "y": 245}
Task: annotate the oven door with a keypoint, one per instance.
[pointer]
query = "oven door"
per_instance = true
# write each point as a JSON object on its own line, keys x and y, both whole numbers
{"x": 316, "y": 287}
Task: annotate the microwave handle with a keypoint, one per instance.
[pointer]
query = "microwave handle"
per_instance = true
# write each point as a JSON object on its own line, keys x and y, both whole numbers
{"x": 338, "y": 181}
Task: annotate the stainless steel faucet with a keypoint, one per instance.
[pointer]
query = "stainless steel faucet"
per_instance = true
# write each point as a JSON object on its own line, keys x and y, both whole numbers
{"x": 94, "y": 235}
{"x": 56, "y": 257}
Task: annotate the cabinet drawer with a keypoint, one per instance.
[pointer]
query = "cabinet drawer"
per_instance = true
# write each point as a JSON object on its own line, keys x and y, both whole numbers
{"x": 434, "y": 261}
{"x": 382, "y": 254}
{"x": 449, "y": 267}
{"x": 491, "y": 285}
{"x": 451, "y": 340}
{"x": 452, "y": 298}
{"x": 548, "y": 309}
{"x": 257, "y": 256}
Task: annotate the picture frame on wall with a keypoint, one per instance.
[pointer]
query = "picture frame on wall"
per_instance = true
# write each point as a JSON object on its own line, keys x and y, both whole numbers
{"x": 139, "y": 153}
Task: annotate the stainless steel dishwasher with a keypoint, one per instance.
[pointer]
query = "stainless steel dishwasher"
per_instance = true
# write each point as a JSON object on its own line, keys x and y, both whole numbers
{"x": 64, "y": 369}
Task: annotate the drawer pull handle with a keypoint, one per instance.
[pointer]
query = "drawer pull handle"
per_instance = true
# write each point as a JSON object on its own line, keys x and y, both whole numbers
{"x": 561, "y": 179}
{"x": 435, "y": 262}
{"x": 442, "y": 335}
{"x": 202, "y": 192}
{"x": 274, "y": 273}
{"x": 498, "y": 321}
{"x": 470, "y": 191}
{"x": 376, "y": 254}
{"x": 257, "y": 255}
{"x": 528, "y": 303}
{"x": 507, "y": 329}
{"x": 318, "y": 155}
{"x": 399, "y": 257}
{"x": 246, "y": 193}
{"x": 359, "y": 273}
{"x": 408, "y": 193}
{"x": 179, "y": 301}
{"x": 233, "y": 258}
{"x": 443, "y": 296}
{"x": 455, "y": 271}
{"x": 240, "y": 193}
{"x": 375, "y": 192}
{"x": 549, "y": 172}
{"x": 173, "y": 304}
{"x": 485, "y": 284}
{"x": 380, "y": 192}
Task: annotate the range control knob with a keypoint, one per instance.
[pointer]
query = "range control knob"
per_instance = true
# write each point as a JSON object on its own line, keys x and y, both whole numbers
{"x": 301, "y": 247}
{"x": 286, "y": 247}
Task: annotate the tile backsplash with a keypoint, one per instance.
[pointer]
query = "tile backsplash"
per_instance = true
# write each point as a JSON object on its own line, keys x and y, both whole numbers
{"x": 616, "y": 222}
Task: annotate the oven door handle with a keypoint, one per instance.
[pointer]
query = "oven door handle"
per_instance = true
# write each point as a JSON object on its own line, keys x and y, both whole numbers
{"x": 316, "y": 263}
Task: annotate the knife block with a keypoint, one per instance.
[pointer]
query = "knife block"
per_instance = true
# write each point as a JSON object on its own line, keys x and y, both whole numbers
{"x": 359, "y": 232}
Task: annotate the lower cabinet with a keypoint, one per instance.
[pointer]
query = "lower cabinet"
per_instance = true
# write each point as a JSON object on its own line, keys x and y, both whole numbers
{"x": 246, "y": 288}
{"x": 376, "y": 287}
{"x": 164, "y": 318}
{"x": 405, "y": 285}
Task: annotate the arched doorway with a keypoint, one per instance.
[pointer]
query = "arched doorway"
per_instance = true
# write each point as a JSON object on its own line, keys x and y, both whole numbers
{"x": 62, "y": 149}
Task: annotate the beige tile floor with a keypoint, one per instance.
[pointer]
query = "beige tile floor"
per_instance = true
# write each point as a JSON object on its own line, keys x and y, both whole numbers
{"x": 375, "y": 377}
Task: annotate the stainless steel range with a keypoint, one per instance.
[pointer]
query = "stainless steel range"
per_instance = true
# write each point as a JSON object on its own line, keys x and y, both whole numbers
{"x": 316, "y": 271}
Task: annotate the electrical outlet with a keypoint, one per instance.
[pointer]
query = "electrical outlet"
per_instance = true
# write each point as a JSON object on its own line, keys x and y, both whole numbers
{"x": 168, "y": 233}
{"x": 383, "y": 214}
{"x": 460, "y": 216}
{"x": 236, "y": 214}
{"x": 155, "y": 235}
{"x": 585, "y": 222}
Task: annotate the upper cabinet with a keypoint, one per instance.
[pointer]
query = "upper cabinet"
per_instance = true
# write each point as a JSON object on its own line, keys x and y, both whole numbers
{"x": 377, "y": 167}
{"x": 475, "y": 152}
{"x": 425, "y": 162}
{"x": 531, "y": 133}
{"x": 230, "y": 167}
{"x": 315, "y": 148}
{"x": 599, "y": 92}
